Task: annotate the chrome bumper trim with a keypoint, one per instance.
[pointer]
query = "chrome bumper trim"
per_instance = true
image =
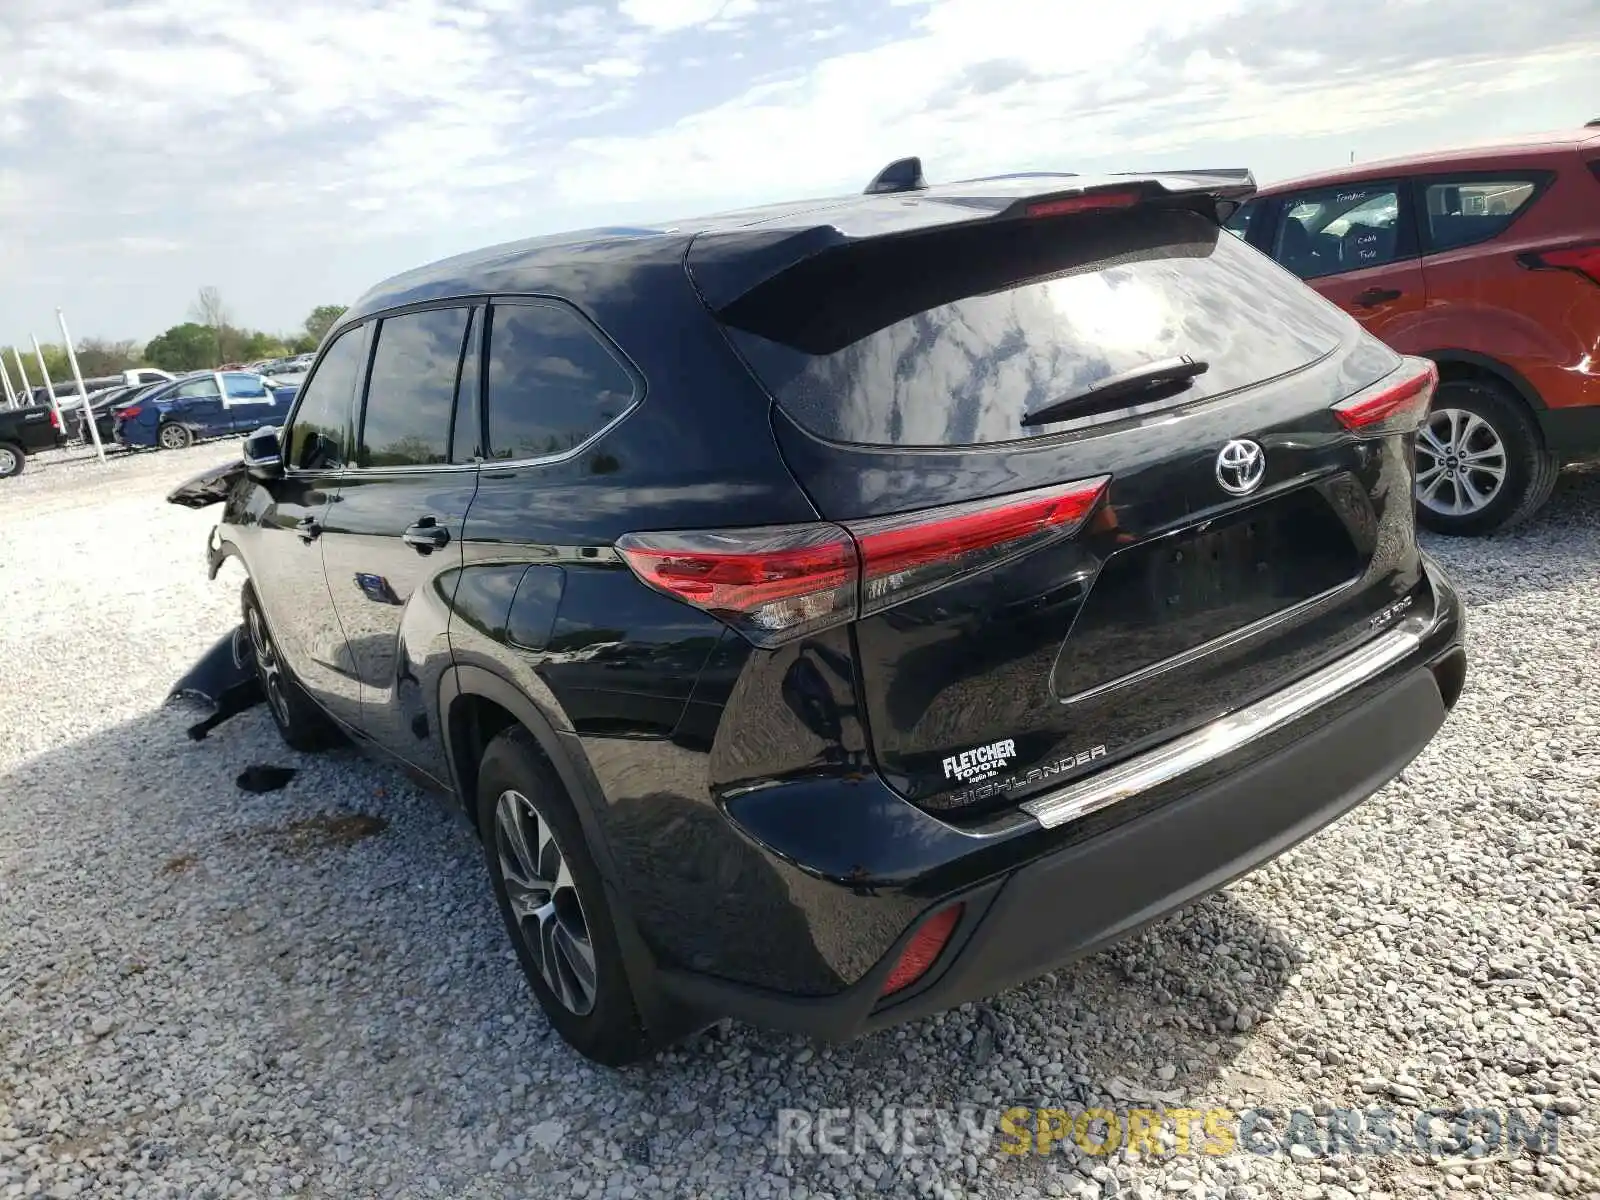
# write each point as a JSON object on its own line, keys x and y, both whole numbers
{"x": 1224, "y": 735}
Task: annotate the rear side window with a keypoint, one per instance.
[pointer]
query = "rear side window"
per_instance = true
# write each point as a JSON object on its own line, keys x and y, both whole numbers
{"x": 553, "y": 384}
{"x": 1339, "y": 229}
{"x": 317, "y": 437}
{"x": 951, "y": 338}
{"x": 196, "y": 389}
{"x": 1462, "y": 212}
{"x": 411, "y": 392}
{"x": 1239, "y": 223}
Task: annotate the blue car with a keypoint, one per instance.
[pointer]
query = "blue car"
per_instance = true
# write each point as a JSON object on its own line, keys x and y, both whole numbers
{"x": 206, "y": 404}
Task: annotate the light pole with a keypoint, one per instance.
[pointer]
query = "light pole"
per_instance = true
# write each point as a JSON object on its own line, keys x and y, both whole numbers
{"x": 50, "y": 388}
{"x": 83, "y": 392}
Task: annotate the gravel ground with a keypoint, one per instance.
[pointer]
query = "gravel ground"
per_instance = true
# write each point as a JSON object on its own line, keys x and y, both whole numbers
{"x": 205, "y": 992}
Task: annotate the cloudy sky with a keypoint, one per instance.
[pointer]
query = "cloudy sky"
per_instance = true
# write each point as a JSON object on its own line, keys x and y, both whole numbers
{"x": 292, "y": 152}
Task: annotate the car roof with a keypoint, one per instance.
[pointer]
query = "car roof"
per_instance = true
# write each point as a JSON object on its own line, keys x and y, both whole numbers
{"x": 1489, "y": 153}
{"x": 764, "y": 239}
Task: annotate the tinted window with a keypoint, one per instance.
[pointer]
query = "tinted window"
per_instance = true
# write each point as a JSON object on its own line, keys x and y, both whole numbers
{"x": 1239, "y": 223}
{"x": 317, "y": 439}
{"x": 196, "y": 388}
{"x": 413, "y": 389}
{"x": 467, "y": 432}
{"x": 245, "y": 387}
{"x": 1339, "y": 229}
{"x": 952, "y": 337}
{"x": 552, "y": 383}
{"x": 1465, "y": 211}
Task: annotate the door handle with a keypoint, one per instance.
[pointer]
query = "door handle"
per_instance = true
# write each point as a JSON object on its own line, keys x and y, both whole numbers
{"x": 426, "y": 536}
{"x": 309, "y": 529}
{"x": 1377, "y": 295}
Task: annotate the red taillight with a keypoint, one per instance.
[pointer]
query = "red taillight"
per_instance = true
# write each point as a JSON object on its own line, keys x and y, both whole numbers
{"x": 127, "y": 414}
{"x": 55, "y": 419}
{"x": 777, "y": 583}
{"x": 904, "y": 555}
{"x": 1584, "y": 260}
{"x": 923, "y": 950}
{"x": 1089, "y": 202}
{"x": 1396, "y": 404}
{"x": 770, "y": 583}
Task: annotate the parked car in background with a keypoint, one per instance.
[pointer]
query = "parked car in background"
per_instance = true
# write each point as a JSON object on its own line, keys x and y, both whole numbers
{"x": 24, "y": 431}
{"x": 837, "y": 612}
{"x": 102, "y": 407}
{"x": 1486, "y": 261}
{"x": 203, "y": 405}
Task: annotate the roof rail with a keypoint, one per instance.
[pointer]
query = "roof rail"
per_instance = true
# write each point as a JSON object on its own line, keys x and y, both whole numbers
{"x": 902, "y": 175}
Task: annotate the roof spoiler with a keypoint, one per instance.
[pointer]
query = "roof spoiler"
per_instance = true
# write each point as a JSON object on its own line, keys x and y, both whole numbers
{"x": 727, "y": 264}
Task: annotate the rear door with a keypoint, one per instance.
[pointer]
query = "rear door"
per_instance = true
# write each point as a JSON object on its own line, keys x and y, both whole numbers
{"x": 1356, "y": 244}
{"x": 392, "y": 544}
{"x": 1234, "y": 536}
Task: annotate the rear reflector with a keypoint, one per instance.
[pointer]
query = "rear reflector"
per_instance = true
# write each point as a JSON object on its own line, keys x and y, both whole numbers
{"x": 1089, "y": 202}
{"x": 1583, "y": 260}
{"x": 1395, "y": 404}
{"x": 776, "y": 583}
{"x": 923, "y": 950}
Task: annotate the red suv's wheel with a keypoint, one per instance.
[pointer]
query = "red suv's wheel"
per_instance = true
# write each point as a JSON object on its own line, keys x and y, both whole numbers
{"x": 1481, "y": 464}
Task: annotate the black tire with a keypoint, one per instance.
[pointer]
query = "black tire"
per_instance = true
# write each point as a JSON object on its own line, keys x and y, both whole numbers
{"x": 12, "y": 460}
{"x": 302, "y": 725}
{"x": 172, "y": 436}
{"x": 609, "y": 1030}
{"x": 1482, "y": 414}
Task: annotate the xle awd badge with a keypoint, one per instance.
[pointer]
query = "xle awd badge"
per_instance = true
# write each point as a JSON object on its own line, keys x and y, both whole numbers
{"x": 1241, "y": 466}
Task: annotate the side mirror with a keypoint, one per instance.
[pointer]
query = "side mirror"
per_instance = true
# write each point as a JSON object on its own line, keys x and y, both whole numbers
{"x": 263, "y": 456}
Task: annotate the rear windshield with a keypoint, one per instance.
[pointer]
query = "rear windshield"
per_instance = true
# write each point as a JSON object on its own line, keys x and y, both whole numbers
{"x": 952, "y": 337}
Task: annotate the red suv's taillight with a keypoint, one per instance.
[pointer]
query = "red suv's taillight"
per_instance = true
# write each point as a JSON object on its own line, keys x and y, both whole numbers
{"x": 1395, "y": 404}
{"x": 776, "y": 583}
{"x": 1581, "y": 260}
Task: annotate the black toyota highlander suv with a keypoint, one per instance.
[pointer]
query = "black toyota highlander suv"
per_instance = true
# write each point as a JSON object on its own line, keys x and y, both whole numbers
{"x": 834, "y": 612}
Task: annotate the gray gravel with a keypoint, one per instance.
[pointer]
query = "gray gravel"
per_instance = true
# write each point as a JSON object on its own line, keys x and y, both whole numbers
{"x": 207, "y": 993}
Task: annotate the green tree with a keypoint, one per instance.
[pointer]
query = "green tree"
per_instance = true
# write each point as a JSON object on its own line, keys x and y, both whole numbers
{"x": 187, "y": 347}
{"x": 97, "y": 356}
{"x": 255, "y": 345}
{"x": 321, "y": 320}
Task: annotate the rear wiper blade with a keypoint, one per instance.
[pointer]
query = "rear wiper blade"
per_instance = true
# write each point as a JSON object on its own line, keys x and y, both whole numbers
{"x": 1176, "y": 373}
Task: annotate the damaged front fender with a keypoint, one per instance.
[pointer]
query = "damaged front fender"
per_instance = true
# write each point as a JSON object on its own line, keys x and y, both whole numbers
{"x": 209, "y": 487}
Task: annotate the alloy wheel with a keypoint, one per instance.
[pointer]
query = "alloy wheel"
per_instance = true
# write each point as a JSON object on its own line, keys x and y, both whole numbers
{"x": 1461, "y": 463}
{"x": 8, "y": 461}
{"x": 172, "y": 437}
{"x": 267, "y": 665}
{"x": 544, "y": 900}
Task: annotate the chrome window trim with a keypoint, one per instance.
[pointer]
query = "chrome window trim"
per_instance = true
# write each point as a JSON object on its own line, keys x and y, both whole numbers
{"x": 1226, "y": 735}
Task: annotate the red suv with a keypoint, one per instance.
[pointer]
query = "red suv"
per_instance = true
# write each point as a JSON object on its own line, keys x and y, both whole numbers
{"x": 1488, "y": 262}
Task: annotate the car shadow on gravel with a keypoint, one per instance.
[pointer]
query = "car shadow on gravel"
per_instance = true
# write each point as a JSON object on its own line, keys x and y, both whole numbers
{"x": 375, "y": 952}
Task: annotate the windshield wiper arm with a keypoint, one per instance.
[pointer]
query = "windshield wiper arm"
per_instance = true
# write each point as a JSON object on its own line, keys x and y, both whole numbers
{"x": 1174, "y": 372}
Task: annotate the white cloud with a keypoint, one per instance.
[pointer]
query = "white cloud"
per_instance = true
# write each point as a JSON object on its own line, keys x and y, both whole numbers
{"x": 667, "y": 15}
{"x": 166, "y": 143}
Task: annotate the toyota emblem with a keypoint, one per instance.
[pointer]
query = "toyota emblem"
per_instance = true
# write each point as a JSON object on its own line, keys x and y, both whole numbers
{"x": 1241, "y": 466}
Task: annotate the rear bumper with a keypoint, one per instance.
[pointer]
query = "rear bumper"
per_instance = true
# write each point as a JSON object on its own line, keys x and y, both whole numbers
{"x": 1211, "y": 825}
